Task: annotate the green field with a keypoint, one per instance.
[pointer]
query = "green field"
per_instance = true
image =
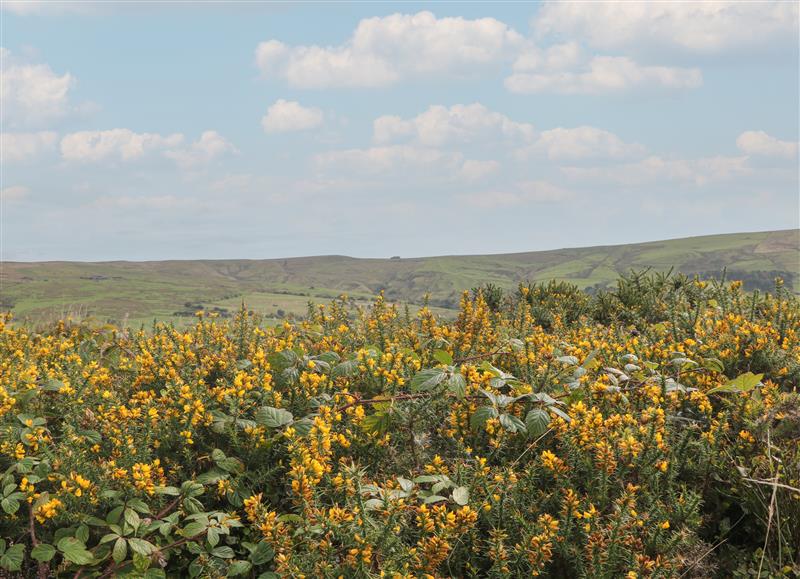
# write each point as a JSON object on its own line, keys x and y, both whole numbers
{"x": 170, "y": 290}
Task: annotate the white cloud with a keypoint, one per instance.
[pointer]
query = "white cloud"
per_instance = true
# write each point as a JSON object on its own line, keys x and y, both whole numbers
{"x": 232, "y": 183}
{"x": 160, "y": 202}
{"x": 553, "y": 58}
{"x": 762, "y": 144}
{"x": 697, "y": 27}
{"x": 26, "y": 7}
{"x": 473, "y": 170}
{"x": 121, "y": 144}
{"x": 14, "y": 193}
{"x": 524, "y": 193}
{"x": 658, "y": 170}
{"x": 602, "y": 74}
{"x": 383, "y": 50}
{"x": 285, "y": 116}
{"x": 32, "y": 93}
{"x": 376, "y": 160}
{"x": 22, "y": 146}
{"x": 208, "y": 147}
{"x": 440, "y": 125}
{"x": 562, "y": 144}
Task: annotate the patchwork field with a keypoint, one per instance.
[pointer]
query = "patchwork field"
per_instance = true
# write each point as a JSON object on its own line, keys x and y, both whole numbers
{"x": 140, "y": 292}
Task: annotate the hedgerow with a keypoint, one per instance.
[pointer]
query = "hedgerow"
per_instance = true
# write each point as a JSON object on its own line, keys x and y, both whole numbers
{"x": 647, "y": 431}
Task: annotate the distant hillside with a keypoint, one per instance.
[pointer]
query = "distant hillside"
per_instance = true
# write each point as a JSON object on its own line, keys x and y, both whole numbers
{"x": 141, "y": 291}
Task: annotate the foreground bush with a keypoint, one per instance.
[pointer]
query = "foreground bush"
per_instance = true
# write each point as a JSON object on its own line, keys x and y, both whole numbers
{"x": 650, "y": 431}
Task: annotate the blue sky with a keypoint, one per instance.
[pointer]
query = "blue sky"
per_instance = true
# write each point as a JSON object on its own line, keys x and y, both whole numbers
{"x": 257, "y": 130}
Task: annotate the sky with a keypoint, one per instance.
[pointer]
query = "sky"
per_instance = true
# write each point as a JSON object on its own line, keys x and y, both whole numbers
{"x": 165, "y": 130}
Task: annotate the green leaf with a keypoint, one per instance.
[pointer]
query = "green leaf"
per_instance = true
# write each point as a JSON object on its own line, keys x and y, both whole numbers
{"x": 427, "y": 478}
{"x": 303, "y": 426}
{"x": 481, "y": 415}
{"x": 546, "y": 398}
{"x": 373, "y": 504}
{"x": 138, "y": 505}
{"x": 120, "y": 550}
{"x": 212, "y": 476}
{"x": 511, "y": 423}
{"x": 43, "y": 552}
{"x": 212, "y": 536}
{"x": 457, "y": 385}
{"x": 52, "y": 385}
{"x": 223, "y": 552}
{"x": 141, "y": 562}
{"x": 12, "y": 559}
{"x": 140, "y": 546}
{"x": 239, "y": 568}
{"x": 743, "y": 383}
{"x": 273, "y": 417}
{"x": 428, "y": 379}
{"x": 377, "y": 423}
{"x": 113, "y": 516}
{"x": 193, "y": 529}
{"x": 82, "y": 533}
{"x": 434, "y": 499}
{"x": 346, "y": 368}
{"x": 461, "y": 495}
{"x": 536, "y": 421}
{"x": 75, "y": 551}
{"x": 10, "y": 505}
{"x": 443, "y": 357}
{"x": 714, "y": 365}
{"x": 169, "y": 491}
{"x": 231, "y": 464}
{"x": 263, "y": 553}
{"x": 444, "y": 483}
{"x": 559, "y": 412}
{"x": 132, "y": 518}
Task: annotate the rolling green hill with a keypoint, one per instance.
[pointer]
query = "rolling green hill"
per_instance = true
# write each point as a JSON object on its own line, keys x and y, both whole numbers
{"x": 142, "y": 291}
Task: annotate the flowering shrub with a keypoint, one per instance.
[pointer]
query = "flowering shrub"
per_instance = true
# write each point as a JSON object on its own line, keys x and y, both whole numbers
{"x": 648, "y": 431}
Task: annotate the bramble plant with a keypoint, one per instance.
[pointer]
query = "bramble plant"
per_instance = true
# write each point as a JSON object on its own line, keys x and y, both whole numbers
{"x": 652, "y": 430}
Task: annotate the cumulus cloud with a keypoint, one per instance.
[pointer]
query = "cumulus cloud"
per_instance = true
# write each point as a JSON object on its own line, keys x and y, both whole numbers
{"x": 523, "y": 193}
{"x": 126, "y": 145}
{"x": 32, "y": 93}
{"x": 600, "y": 75}
{"x": 441, "y": 125}
{"x": 14, "y": 193}
{"x": 696, "y": 27}
{"x": 208, "y": 147}
{"x": 571, "y": 144}
{"x": 761, "y": 144}
{"x": 474, "y": 170}
{"x": 286, "y": 116}
{"x": 26, "y": 7}
{"x": 159, "y": 202}
{"x": 377, "y": 160}
{"x": 25, "y": 146}
{"x": 655, "y": 169}
{"x": 384, "y": 50}
{"x": 114, "y": 144}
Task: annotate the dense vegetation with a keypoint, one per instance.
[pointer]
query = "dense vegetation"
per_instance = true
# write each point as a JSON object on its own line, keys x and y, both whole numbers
{"x": 647, "y": 431}
{"x": 138, "y": 292}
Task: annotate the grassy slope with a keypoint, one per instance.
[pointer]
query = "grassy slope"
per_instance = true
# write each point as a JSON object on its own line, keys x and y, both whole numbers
{"x": 144, "y": 290}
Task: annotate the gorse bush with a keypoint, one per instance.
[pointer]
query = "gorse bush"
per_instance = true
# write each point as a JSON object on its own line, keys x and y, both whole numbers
{"x": 647, "y": 431}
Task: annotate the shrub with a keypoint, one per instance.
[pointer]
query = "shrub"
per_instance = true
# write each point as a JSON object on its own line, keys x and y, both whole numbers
{"x": 650, "y": 431}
